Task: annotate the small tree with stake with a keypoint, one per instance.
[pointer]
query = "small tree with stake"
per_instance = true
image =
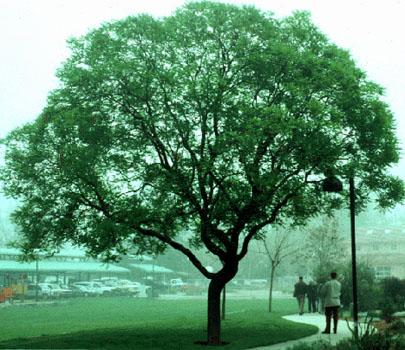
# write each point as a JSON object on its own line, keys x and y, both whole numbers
{"x": 210, "y": 120}
{"x": 277, "y": 247}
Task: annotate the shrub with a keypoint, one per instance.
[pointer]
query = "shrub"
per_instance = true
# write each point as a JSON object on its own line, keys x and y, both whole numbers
{"x": 393, "y": 291}
{"x": 397, "y": 327}
{"x": 368, "y": 293}
{"x": 387, "y": 310}
{"x": 369, "y": 338}
{"x": 393, "y": 287}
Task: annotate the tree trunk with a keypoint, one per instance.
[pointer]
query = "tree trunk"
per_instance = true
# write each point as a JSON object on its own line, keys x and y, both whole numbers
{"x": 223, "y": 302}
{"x": 214, "y": 312}
{"x": 271, "y": 287}
{"x": 217, "y": 284}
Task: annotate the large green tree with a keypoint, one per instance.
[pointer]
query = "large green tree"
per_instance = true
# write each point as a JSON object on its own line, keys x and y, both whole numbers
{"x": 218, "y": 120}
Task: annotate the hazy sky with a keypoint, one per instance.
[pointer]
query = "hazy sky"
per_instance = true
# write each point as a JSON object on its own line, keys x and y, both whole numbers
{"x": 33, "y": 35}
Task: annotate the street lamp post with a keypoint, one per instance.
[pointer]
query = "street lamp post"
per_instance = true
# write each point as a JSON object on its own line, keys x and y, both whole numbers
{"x": 354, "y": 272}
{"x": 333, "y": 184}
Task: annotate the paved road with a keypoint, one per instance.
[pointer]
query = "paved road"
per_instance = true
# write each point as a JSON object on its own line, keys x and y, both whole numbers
{"x": 316, "y": 320}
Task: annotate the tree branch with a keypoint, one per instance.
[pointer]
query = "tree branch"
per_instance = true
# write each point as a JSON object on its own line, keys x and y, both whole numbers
{"x": 258, "y": 227}
{"x": 177, "y": 246}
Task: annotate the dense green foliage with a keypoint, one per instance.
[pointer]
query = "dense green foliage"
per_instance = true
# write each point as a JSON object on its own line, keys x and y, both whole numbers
{"x": 394, "y": 288}
{"x": 368, "y": 291}
{"x": 218, "y": 120}
{"x": 380, "y": 298}
{"x": 213, "y": 119}
{"x": 119, "y": 323}
{"x": 392, "y": 297}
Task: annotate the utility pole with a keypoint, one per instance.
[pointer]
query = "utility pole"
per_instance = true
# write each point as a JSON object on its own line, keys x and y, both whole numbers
{"x": 354, "y": 272}
{"x": 333, "y": 184}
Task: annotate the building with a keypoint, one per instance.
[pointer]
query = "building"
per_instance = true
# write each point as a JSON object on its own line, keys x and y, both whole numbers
{"x": 72, "y": 265}
{"x": 65, "y": 266}
{"x": 383, "y": 248}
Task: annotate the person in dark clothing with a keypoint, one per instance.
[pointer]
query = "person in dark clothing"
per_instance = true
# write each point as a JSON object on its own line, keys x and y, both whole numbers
{"x": 312, "y": 295}
{"x": 321, "y": 299}
{"x": 300, "y": 289}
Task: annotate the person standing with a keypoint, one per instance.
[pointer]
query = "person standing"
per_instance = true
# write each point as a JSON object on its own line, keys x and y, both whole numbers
{"x": 300, "y": 288}
{"x": 312, "y": 296}
{"x": 331, "y": 291}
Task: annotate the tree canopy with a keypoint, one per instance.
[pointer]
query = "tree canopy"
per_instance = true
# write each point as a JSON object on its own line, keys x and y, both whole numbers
{"x": 211, "y": 123}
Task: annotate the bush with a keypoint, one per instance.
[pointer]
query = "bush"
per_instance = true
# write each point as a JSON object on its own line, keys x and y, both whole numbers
{"x": 393, "y": 287}
{"x": 375, "y": 341}
{"x": 397, "y": 327}
{"x": 368, "y": 293}
{"x": 368, "y": 339}
{"x": 388, "y": 309}
{"x": 393, "y": 291}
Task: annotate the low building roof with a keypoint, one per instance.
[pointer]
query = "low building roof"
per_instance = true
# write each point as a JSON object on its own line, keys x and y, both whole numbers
{"x": 59, "y": 266}
{"x": 71, "y": 253}
{"x": 62, "y": 252}
{"x": 151, "y": 268}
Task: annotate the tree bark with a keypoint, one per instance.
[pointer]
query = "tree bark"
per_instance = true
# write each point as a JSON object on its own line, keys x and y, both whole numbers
{"x": 214, "y": 312}
{"x": 215, "y": 288}
{"x": 223, "y": 302}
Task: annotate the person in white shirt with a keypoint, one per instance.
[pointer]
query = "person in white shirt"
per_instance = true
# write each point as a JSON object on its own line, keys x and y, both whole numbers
{"x": 331, "y": 291}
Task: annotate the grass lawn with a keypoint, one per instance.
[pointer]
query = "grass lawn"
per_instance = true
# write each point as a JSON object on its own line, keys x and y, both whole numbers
{"x": 144, "y": 324}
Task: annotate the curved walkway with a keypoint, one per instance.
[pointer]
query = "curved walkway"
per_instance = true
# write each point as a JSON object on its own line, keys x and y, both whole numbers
{"x": 316, "y": 320}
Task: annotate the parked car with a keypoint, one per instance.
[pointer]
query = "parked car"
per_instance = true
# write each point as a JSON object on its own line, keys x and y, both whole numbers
{"x": 144, "y": 290}
{"x": 158, "y": 287}
{"x": 130, "y": 288}
{"x": 97, "y": 287}
{"x": 54, "y": 293}
{"x": 113, "y": 283}
{"x": 60, "y": 291}
{"x": 41, "y": 289}
{"x": 83, "y": 291}
{"x": 177, "y": 283}
{"x": 110, "y": 284}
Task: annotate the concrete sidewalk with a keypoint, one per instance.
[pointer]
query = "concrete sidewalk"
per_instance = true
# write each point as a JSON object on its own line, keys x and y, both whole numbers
{"x": 316, "y": 320}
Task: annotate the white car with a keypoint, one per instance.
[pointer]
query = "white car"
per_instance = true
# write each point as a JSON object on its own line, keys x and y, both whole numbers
{"x": 79, "y": 290}
{"x": 41, "y": 290}
{"x": 118, "y": 288}
{"x": 131, "y": 288}
{"x": 61, "y": 292}
{"x": 110, "y": 284}
{"x": 48, "y": 287}
{"x": 97, "y": 287}
{"x": 144, "y": 291}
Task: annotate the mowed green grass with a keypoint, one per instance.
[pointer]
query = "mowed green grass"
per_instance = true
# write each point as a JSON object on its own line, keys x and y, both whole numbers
{"x": 145, "y": 324}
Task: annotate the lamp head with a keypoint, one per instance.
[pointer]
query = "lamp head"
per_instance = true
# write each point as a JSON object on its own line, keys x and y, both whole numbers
{"x": 332, "y": 184}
